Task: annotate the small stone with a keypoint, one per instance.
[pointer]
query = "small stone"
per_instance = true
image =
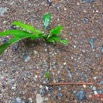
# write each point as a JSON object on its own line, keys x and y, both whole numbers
{"x": 13, "y": 87}
{"x": 75, "y": 65}
{"x": 39, "y": 98}
{"x": 60, "y": 95}
{"x": 50, "y": 90}
{"x": 97, "y": 55}
{"x": 92, "y": 41}
{"x": 64, "y": 63}
{"x": 85, "y": 20}
{"x": 58, "y": 6}
{"x": 41, "y": 86}
{"x": 26, "y": 57}
{"x": 84, "y": 86}
{"x": 46, "y": 99}
{"x": 88, "y": 1}
{"x": 94, "y": 78}
{"x": 4, "y": 40}
{"x": 42, "y": 91}
{"x": 49, "y": 2}
{"x": 69, "y": 74}
{"x": 100, "y": 91}
{"x": 102, "y": 49}
{"x": 65, "y": 9}
{"x": 95, "y": 92}
{"x": 18, "y": 100}
{"x": 4, "y": 22}
{"x": 35, "y": 52}
{"x": 12, "y": 27}
{"x": 59, "y": 88}
{"x": 71, "y": 33}
{"x": 30, "y": 100}
{"x": 81, "y": 95}
{"x": 101, "y": 82}
{"x": 78, "y": 3}
{"x": 74, "y": 46}
{"x": 36, "y": 76}
{"x": 47, "y": 88}
{"x": 16, "y": 46}
{"x": 93, "y": 88}
{"x": 1, "y": 60}
{"x": 3, "y": 10}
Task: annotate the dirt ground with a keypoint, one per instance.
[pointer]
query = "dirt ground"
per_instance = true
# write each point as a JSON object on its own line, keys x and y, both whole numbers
{"x": 23, "y": 65}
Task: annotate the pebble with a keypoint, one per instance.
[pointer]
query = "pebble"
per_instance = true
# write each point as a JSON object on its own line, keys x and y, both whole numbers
{"x": 47, "y": 88}
{"x": 30, "y": 100}
{"x": 100, "y": 91}
{"x": 60, "y": 95}
{"x": 12, "y": 27}
{"x": 26, "y": 57}
{"x": 74, "y": 46}
{"x": 64, "y": 63}
{"x": 101, "y": 82}
{"x": 42, "y": 91}
{"x": 18, "y": 100}
{"x": 39, "y": 98}
{"x": 93, "y": 88}
{"x": 94, "y": 78}
{"x": 35, "y": 52}
{"x": 81, "y": 95}
{"x": 4, "y": 22}
{"x": 88, "y": 1}
{"x": 3, "y": 10}
{"x": 50, "y": 90}
{"x": 14, "y": 71}
{"x": 71, "y": 33}
{"x": 69, "y": 74}
{"x": 1, "y": 61}
{"x": 84, "y": 86}
{"x": 85, "y": 20}
{"x": 58, "y": 6}
{"x": 95, "y": 92}
{"x": 46, "y": 99}
{"x": 4, "y": 40}
{"x": 92, "y": 41}
{"x": 59, "y": 88}
{"x": 41, "y": 86}
{"x": 36, "y": 76}
{"x": 16, "y": 47}
{"x": 97, "y": 55}
{"x": 49, "y": 2}
{"x": 102, "y": 49}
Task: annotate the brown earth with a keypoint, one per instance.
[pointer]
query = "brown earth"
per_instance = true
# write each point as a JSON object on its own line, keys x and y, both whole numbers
{"x": 80, "y": 61}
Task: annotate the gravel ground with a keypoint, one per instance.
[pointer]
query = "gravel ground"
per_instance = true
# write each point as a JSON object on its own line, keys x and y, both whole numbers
{"x": 23, "y": 65}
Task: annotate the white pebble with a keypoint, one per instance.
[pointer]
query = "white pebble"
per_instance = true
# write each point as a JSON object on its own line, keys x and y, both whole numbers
{"x": 95, "y": 92}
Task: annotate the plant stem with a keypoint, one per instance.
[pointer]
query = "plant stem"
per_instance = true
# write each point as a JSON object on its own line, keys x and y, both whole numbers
{"x": 48, "y": 56}
{"x": 69, "y": 83}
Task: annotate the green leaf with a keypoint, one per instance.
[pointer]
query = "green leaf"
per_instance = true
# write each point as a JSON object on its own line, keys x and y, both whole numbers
{"x": 26, "y": 27}
{"x": 47, "y": 75}
{"x": 19, "y": 35}
{"x": 64, "y": 41}
{"x": 46, "y": 20}
{"x": 16, "y": 33}
{"x": 56, "y": 30}
{"x": 3, "y": 47}
{"x": 54, "y": 39}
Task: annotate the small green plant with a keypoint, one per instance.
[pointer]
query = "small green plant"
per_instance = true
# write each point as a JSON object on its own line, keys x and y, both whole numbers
{"x": 24, "y": 31}
{"x": 47, "y": 75}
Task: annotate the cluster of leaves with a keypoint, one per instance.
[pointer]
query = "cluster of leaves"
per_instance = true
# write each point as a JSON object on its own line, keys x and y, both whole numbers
{"x": 27, "y": 31}
{"x": 47, "y": 75}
